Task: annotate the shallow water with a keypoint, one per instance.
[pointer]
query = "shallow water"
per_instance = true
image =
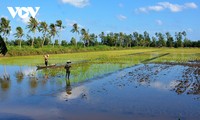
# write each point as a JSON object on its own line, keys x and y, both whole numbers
{"x": 144, "y": 91}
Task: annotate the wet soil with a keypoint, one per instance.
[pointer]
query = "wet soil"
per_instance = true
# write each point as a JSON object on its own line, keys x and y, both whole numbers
{"x": 142, "y": 92}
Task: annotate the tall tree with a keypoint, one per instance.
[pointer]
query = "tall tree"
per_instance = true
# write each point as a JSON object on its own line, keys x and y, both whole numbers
{"x": 170, "y": 40}
{"x": 93, "y": 39}
{"x": 19, "y": 34}
{"x": 60, "y": 27}
{"x": 147, "y": 39}
{"x": 186, "y": 42}
{"x": 141, "y": 40}
{"x": 83, "y": 32}
{"x": 44, "y": 29}
{"x": 102, "y": 36}
{"x": 5, "y": 28}
{"x": 75, "y": 30}
{"x": 153, "y": 43}
{"x": 116, "y": 38}
{"x": 161, "y": 39}
{"x": 121, "y": 38}
{"x": 128, "y": 40}
{"x": 135, "y": 38}
{"x": 85, "y": 37}
{"x": 3, "y": 48}
{"x": 53, "y": 31}
{"x": 32, "y": 26}
{"x": 178, "y": 39}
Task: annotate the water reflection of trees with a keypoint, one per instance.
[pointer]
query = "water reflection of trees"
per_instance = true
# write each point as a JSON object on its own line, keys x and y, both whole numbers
{"x": 5, "y": 83}
{"x": 19, "y": 75}
{"x": 5, "y": 80}
{"x": 33, "y": 82}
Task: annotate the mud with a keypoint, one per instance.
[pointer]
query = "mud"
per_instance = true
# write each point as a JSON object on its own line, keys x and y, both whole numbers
{"x": 143, "y": 92}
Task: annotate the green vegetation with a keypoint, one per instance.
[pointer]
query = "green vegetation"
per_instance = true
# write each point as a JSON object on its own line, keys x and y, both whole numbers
{"x": 51, "y": 39}
{"x": 87, "y": 65}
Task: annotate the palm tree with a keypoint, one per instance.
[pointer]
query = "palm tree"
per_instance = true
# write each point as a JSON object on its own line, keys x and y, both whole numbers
{"x": 19, "y": 34}
{"x": 32, "y": 26}
{"x": 85, "y": 36}
{"x": 60, "y": 26}
{"x": 116, "y": 37}
{"x": 83, "y": 32}
{"x": 53, "y": 31}
{"x": 5, "y": 27}
{"x": 44, "y": 28}
{"x": 121, "y": 38}
{"x": 75, "y": 30}
{"x": 102, "y": 36}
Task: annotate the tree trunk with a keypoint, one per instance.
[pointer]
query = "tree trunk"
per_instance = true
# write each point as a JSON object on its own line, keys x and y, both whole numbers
{"x": 20, "y": 42}
{"x": 33, "y": 40}
{"x": 43, "y": 41}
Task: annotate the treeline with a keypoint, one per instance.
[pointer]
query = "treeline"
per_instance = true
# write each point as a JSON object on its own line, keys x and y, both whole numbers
{"x": 51, "y": 37}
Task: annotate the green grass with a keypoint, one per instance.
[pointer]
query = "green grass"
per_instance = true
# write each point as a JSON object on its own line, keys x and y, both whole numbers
{"x": 102, "y": 62}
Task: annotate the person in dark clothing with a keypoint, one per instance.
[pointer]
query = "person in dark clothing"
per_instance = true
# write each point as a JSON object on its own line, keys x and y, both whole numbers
{"x": 46, "y": 59}
{"x": 67, "y": 67}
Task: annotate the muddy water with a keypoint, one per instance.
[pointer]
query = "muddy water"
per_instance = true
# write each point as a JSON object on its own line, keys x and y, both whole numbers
{"x": 144, "y": 91}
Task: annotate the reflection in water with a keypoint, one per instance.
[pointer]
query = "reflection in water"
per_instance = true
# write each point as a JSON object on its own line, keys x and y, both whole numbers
{"x": 19, "y": 75}
{"x": 68, "y": 87}
{"x": 162, "y": 77}
{"x": 190, "y": 83}
{"x": 50, "y": 80}
{"x": 5, "y": 80}
{"x": 73, "y": 93}
{"x": 5, "y": 84}
{"x": 33, "y": 81}
{"x": 25, "y": 77}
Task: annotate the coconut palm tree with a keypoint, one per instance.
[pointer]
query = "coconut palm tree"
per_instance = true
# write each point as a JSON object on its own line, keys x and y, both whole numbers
{"x": 83, "y": 32}
{"x": 102, "y": 36}
{"x": 44, "y": 29}
{"x": 60, "y": 26}
{"x": 5, "y": 27}
{"x": 75, "y": 30}
{"x": 19, "y": 34}
{"x": 85, "y": 36}
{"x": 121, "y": 38}
{"x": 32, "y": 26}
{"x": 53, "y": 31}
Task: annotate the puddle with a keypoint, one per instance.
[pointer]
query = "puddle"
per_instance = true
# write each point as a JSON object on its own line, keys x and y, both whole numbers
{"x": 145, "y": 91}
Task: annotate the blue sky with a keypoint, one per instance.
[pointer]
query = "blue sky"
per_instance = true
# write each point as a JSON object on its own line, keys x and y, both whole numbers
{"x": 125, "y": 16}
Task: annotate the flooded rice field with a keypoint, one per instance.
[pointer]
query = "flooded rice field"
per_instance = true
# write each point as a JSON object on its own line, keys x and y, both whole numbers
{"x": 135, "y": 86}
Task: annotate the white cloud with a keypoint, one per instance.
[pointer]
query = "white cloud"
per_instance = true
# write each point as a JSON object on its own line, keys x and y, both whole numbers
{"x": 172, "y": 7}
{"x": 159, "y": 22}
{"x": 77, "y": 3}
{"x": 166, "y": 5}
{"x": 121, "y": 17}
{"x": 155, "y": 8}
{"x": 25, "y": 20}
{"x": 191, "y": 5}
{"x": 75, "y": 93}
{"x": 72, "y": 22}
